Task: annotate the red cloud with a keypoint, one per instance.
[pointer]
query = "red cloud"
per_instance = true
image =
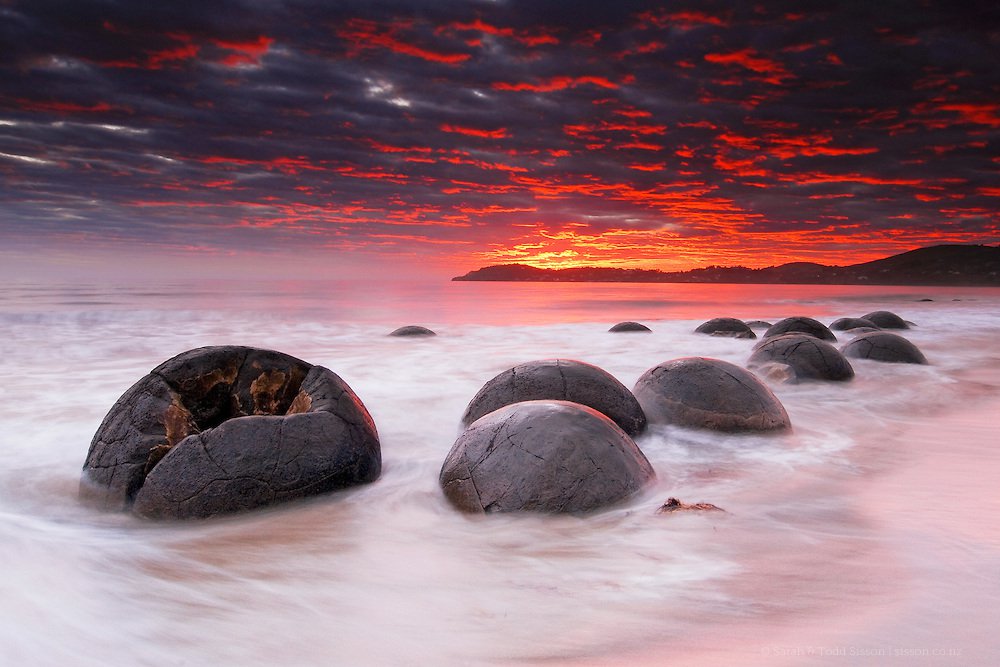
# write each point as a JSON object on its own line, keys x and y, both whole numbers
{"x": 557, "y": 83}
{"x": 773, "y": 70}
{"x": 247, "y": 53}
{"x": 983, "y": 113}
{"x": 473, "y": 132}
{"x": 525, "y": 37}
{"x": 363, "y": 34}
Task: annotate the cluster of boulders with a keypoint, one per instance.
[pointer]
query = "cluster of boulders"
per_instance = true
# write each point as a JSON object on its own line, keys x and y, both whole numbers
{"x": 223, "y": 429}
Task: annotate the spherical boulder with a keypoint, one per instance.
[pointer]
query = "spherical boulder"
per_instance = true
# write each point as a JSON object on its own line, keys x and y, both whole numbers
{"x": 848, "y": 323}
{"x": 726, "y": 326}
{"x": 629, "y": 327}
{"x": 543, "y": 456}
{"x": 564, "y": 380}
{"x": 885, "y": 319}
{"x": 709, "y": 393}
{"x": 759, "y": 324}
{"x": 806, "y": 325}
{"x": 884, "y": 346}
{"x": 808, "y": 357}
{"x": 229, "y": 428}
{"x": 412, "y": 330}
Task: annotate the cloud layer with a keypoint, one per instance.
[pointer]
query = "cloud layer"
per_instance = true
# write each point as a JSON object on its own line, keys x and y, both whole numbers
{"x": 469, "y": 133}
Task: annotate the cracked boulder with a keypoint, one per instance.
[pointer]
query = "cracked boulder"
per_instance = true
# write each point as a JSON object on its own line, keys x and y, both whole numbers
{"x": 805, "y": 325}
{"x": 543, "y": 456}
{"x": 726, "y": 326}
{"x": 563, "y": 380}
{"x": 884, "y": 346}
{"x": 228, "y": 428}
{"x": 807, "y": 357}
{"x": 885, "y": 319}
{"x": 709, "y": 393}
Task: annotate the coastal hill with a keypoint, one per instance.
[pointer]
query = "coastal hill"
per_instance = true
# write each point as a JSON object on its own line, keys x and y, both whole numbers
{"x": 934, "y": 265}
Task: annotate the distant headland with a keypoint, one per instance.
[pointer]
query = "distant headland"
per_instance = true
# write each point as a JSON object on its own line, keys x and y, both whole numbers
{"x": 966, "y": 265}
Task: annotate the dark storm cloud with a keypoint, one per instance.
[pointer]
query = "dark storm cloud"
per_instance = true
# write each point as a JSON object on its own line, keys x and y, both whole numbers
{"x": 601, "y": 131}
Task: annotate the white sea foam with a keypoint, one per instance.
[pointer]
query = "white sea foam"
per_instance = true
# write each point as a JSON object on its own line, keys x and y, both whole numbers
{"x": 390, "y": 574}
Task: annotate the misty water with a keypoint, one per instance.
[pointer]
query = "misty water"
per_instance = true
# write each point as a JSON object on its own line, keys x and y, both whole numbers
{"x": 868, "y": 534}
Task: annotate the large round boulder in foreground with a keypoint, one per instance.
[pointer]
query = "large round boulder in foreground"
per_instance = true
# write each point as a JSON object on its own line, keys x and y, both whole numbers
{"x": 885, "y": 319}
{"x": 808, "y": 358}
{"x": 709, "y": 393}
{"x": 229, "y": 428}
{"x": 805, "y": 325}
{"x": 884, "y": 346}
{"x": 543, "y": 456}
{"x": 630, "y": 327}
{"x": 726, "y": 326}
{"x": 563, "y": 380}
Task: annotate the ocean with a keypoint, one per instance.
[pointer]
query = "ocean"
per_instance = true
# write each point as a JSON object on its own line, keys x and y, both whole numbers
{"x": 869, "y": 534}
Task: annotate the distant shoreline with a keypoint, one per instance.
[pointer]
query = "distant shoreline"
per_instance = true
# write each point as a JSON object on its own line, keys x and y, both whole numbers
{"x": 942, "y": 265}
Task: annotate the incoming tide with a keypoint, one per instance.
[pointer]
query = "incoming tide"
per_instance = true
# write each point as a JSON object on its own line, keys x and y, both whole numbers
{"x": 870, "y": 534}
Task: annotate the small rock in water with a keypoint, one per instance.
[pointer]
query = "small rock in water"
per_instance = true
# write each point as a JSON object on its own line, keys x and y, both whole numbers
{"x": 726, "y": 326}
{"x": 884, "y": 346}
{"x": 674, "y": 505}
{"x": 805, "y": 325}
{"x": 759, "y": 324}
{"x": 624, "y": 327}
{"x": 886, "y": 320}
{"x": 412, "y": 330}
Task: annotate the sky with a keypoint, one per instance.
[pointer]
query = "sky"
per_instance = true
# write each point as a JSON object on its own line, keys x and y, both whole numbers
{"x": 308, "y": 138}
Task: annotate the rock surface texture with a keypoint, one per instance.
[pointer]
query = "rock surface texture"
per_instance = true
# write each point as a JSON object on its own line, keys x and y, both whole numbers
{"x": 808, "y": 357}
{"x": 412, "y": 330}
{"x": 563, "y": 380}
{"x": 848, "y": 323}
{"x": 884, "y": 346}
{"x": 886, "y": 320}
{"x": 709, "y": 393}
{"x": 543, "y": 456}
{"x": 626, "y": 327}
{"x": 806, "y": 325}
{"x": 229, "y": 428}
{"x": 726, "y": 326}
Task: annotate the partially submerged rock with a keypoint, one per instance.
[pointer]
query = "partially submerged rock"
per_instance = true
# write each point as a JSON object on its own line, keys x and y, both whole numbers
{"x": 885, "y": 319}
{"x": 806, "y": 325}
{"x": 848, "y": 323}
{"x": 759, "y": 324}
{"x": 884, "y": 346}
{"x": 808, "y": 357}
{"x": 626, "y": 327}
{"x": 726, "y": 326}
{"x": 709, "y": 393}
{"x": 412, "y": 330}
{"x": 543, "y": 456}
{"x": 674, "y": 505}
{"x": 560, "y": 379}
{"x": 229, "y": 428}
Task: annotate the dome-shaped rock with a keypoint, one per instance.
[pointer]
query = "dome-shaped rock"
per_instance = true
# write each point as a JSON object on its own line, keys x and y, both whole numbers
{"x": 848, "y": 323}
{"x": 626, "y": 327}
{"x": 759, "y": 324}
{"x": 808, "y": 357}
{"x": 886, "y": 320}
{"x": 543, "y": 456}
{"x": 229, "y": 428}
{"x": 884, "y": 346}
{"x": 563, "y": 380}
{"x": 412, "y": 330}
{"x": 806, "y": 325}
{"x": 726, "y": 326}
{"x": 708, "y": 393}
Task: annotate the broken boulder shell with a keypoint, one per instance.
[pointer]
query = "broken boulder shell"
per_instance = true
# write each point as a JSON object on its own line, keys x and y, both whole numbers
{"x": 563, "y": 380}
{"x": 726, "y": 326}
{"x": 806, "y": 325}
{"x": 709, "y": 393}
{"x": 543, "y": 456}
{"x": 809, "y": 358}
{"x": 229, "y": 428}
{"x": 884, "y": 346}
